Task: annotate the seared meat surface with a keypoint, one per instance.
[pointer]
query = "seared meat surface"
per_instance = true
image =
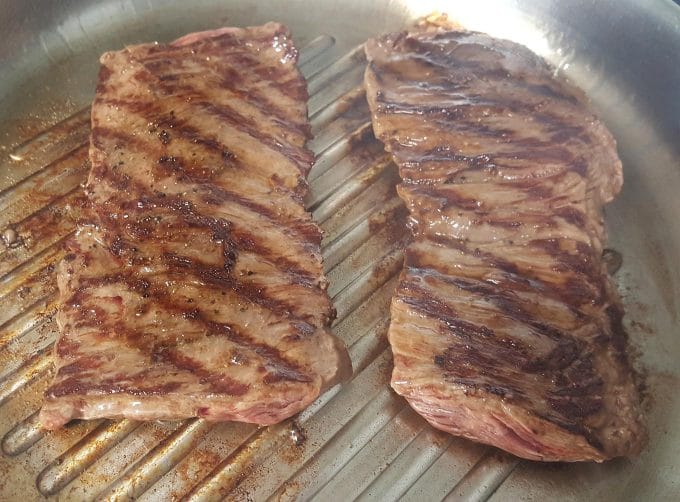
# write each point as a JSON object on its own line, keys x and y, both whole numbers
{"x": 505, "y": 327}
{"x": 195, "y": 287}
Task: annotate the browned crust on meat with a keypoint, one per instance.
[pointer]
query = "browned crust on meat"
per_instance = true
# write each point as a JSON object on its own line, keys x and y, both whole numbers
{"x": 505, "y": 327}
{"x": 194, "y": 286}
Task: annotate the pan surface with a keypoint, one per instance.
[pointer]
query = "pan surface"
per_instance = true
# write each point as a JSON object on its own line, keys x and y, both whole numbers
{"x": 359, "y": 440}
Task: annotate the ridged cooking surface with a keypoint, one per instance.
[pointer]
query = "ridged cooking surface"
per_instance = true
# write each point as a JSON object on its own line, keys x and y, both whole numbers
{"x": 357, "y": 441}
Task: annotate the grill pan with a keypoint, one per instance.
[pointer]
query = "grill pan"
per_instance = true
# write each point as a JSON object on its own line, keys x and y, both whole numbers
{"x": 358, "y": 440}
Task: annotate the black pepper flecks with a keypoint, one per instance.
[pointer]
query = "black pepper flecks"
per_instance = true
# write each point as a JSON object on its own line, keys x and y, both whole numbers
{"x": 164, "y": 136}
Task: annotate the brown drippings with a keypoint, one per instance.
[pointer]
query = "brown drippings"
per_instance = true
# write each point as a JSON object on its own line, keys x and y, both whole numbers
{"x": 394, "y": 221}
{"x": 11, "y": 237}
{"x": 289, "y": 490}
{"x": 612, "y": 260}
{"x": 437, "y": 21}
{"x": 297, "y": 434}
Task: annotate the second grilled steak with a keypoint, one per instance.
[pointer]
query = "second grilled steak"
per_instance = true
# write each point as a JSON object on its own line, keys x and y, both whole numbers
{"x": 505, "y": 327}
{"x": 195, "y": 287}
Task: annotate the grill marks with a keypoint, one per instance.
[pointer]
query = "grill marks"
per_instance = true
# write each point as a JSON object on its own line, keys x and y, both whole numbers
{"x": 151, "y": 228}
{"x": 507, "y": 206}
{"x": 165, "y": 126}
{"x": 218, "y": 384}
{"x": 502, "y": 98}
{"x": 197, "y": 274}
{"x": 208, "y": 186}
{"x": 207, "y": 183}
{"x": 503, "y": 295}
{"x": 169, "y": 73}
{"x": 192, "y": 325}
{"x": 164, "y": 122}
{"x": 477, "y": 355}
{"x": 253, "y": 293}
{"x": 279, "y": 136}
{"x": 156, "y": 224}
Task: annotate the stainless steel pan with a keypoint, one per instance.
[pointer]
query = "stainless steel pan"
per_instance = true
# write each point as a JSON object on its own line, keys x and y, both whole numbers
{"x": 358, "y": 440}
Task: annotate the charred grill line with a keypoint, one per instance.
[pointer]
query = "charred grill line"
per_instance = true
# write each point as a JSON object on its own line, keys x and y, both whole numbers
{"x": 157, "y": 294}
{"x": 211, "y": 192}
{"x": 574, "y": 384}
{"x": 265, "y": 106}
{"x": 232, "y": 238}
{"x": 295, "y": 155}
{"x": 573, "y": 291}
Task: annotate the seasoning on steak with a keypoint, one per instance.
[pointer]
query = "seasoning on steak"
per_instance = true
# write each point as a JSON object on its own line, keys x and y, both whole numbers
{"x": 505, "y": 327}
{"x": 196, "y": 286}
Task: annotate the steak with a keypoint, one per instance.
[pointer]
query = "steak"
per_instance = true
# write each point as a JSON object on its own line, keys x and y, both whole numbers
{"x": 194, "y": 286}
{"x": 505, "y": 327}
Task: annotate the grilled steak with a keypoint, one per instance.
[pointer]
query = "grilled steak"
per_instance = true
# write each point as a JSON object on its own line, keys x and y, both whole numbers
{"x": 195, "y": 287}
{"x": 505, "y": 327}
